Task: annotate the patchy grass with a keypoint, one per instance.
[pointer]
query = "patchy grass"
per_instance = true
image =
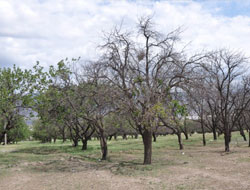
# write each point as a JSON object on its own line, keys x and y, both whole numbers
{"x": 30, "y": 165}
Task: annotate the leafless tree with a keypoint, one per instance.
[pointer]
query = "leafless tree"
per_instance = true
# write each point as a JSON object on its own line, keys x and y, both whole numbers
{"x": 226, "y": 69}
{"x": 143, "y": 68}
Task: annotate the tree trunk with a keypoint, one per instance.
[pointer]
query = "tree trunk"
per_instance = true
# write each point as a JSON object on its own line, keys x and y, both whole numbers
{"x": 5, "y": 134}
{"x": 75, "y": 142}
{"x": 124, "y": 136}
{"x": 219, "y": 133}
{"x": 227, "y": 141}
{"x": 136, "y": 136}
{"x": 249, "y": 138}
{"x": 63, "y": 137}
{"x": 243, "y": 134}
{"x": 115, "y": 136}
{"x": 179, "y": 140}
{"x": 104, "y": 147}
{"x": 214, "y": 133}
{"x": 5, "y": 138}
{"x": 54, "y": 140}
{"x": 185, "y": 131}
{"x": 204, "y": 139}
{"x": 203, "y": 135}
{"x": 84, "y": 144}
{"x": 154, "y": 136}
{"x": 186, "y": 134}
{"x": 147, "y": 142}
{"x": 110, "y": 137}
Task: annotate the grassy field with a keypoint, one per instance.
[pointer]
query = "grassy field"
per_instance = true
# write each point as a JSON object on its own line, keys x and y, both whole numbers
{"x": 32, "y": 165}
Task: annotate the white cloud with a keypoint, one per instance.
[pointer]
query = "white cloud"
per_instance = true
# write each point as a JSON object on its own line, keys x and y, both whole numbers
{"x": 49, "y": 31}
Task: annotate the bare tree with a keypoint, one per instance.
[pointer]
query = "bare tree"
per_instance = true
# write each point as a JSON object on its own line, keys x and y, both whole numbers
{"x": 142, "y": 69}
{"x": 225, "y": 70}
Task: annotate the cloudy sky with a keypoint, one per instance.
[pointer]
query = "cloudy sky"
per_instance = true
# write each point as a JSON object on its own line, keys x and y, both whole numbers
{"x": 51, "y": 30}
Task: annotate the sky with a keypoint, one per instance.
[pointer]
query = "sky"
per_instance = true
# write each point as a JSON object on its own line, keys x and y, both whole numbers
{"x": 49, "y": 31}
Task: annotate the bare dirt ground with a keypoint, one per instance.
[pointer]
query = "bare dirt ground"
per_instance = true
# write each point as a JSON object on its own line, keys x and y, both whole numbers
{"x": 197, "y": 168}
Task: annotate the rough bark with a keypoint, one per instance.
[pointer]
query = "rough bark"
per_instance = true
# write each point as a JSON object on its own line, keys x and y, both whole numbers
{"x": 179, "y": 140}
{"x": 104, "y": 147}
{"x": 147, "y": 142}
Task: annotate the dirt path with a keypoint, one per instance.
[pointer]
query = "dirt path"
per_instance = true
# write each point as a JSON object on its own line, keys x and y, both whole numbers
{"x": 67, "y": 181}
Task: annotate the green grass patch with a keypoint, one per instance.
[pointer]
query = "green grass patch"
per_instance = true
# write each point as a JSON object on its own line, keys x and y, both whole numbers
{"x": 125, "y": 157}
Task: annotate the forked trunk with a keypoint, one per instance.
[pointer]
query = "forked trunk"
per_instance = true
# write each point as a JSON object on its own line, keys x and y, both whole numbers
{"x": 104, "y": 147}
{"x": 147, "y": 142}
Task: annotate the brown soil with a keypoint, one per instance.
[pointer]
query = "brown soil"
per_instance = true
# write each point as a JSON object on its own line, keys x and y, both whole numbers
{"x": 199, "y": 168}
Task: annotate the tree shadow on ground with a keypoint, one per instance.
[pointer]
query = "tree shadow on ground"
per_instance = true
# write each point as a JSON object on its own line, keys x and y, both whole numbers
{"x": 38, "y": 150}
{"x": 70, "y": 159}
{"x": 46, "y": 150}
{"x": 75, "y": 164}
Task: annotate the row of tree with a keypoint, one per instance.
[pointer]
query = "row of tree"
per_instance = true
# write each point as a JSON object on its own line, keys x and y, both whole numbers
{"x": 143, "y": 83}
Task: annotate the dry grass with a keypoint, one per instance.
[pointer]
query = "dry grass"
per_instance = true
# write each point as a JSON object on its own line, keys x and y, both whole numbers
{"x": 31, "y": 165}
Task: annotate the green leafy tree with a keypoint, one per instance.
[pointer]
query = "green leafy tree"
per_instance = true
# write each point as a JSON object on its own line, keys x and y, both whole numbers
{"x": 16, "y": 89}
{"x": 20, "y": 132}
